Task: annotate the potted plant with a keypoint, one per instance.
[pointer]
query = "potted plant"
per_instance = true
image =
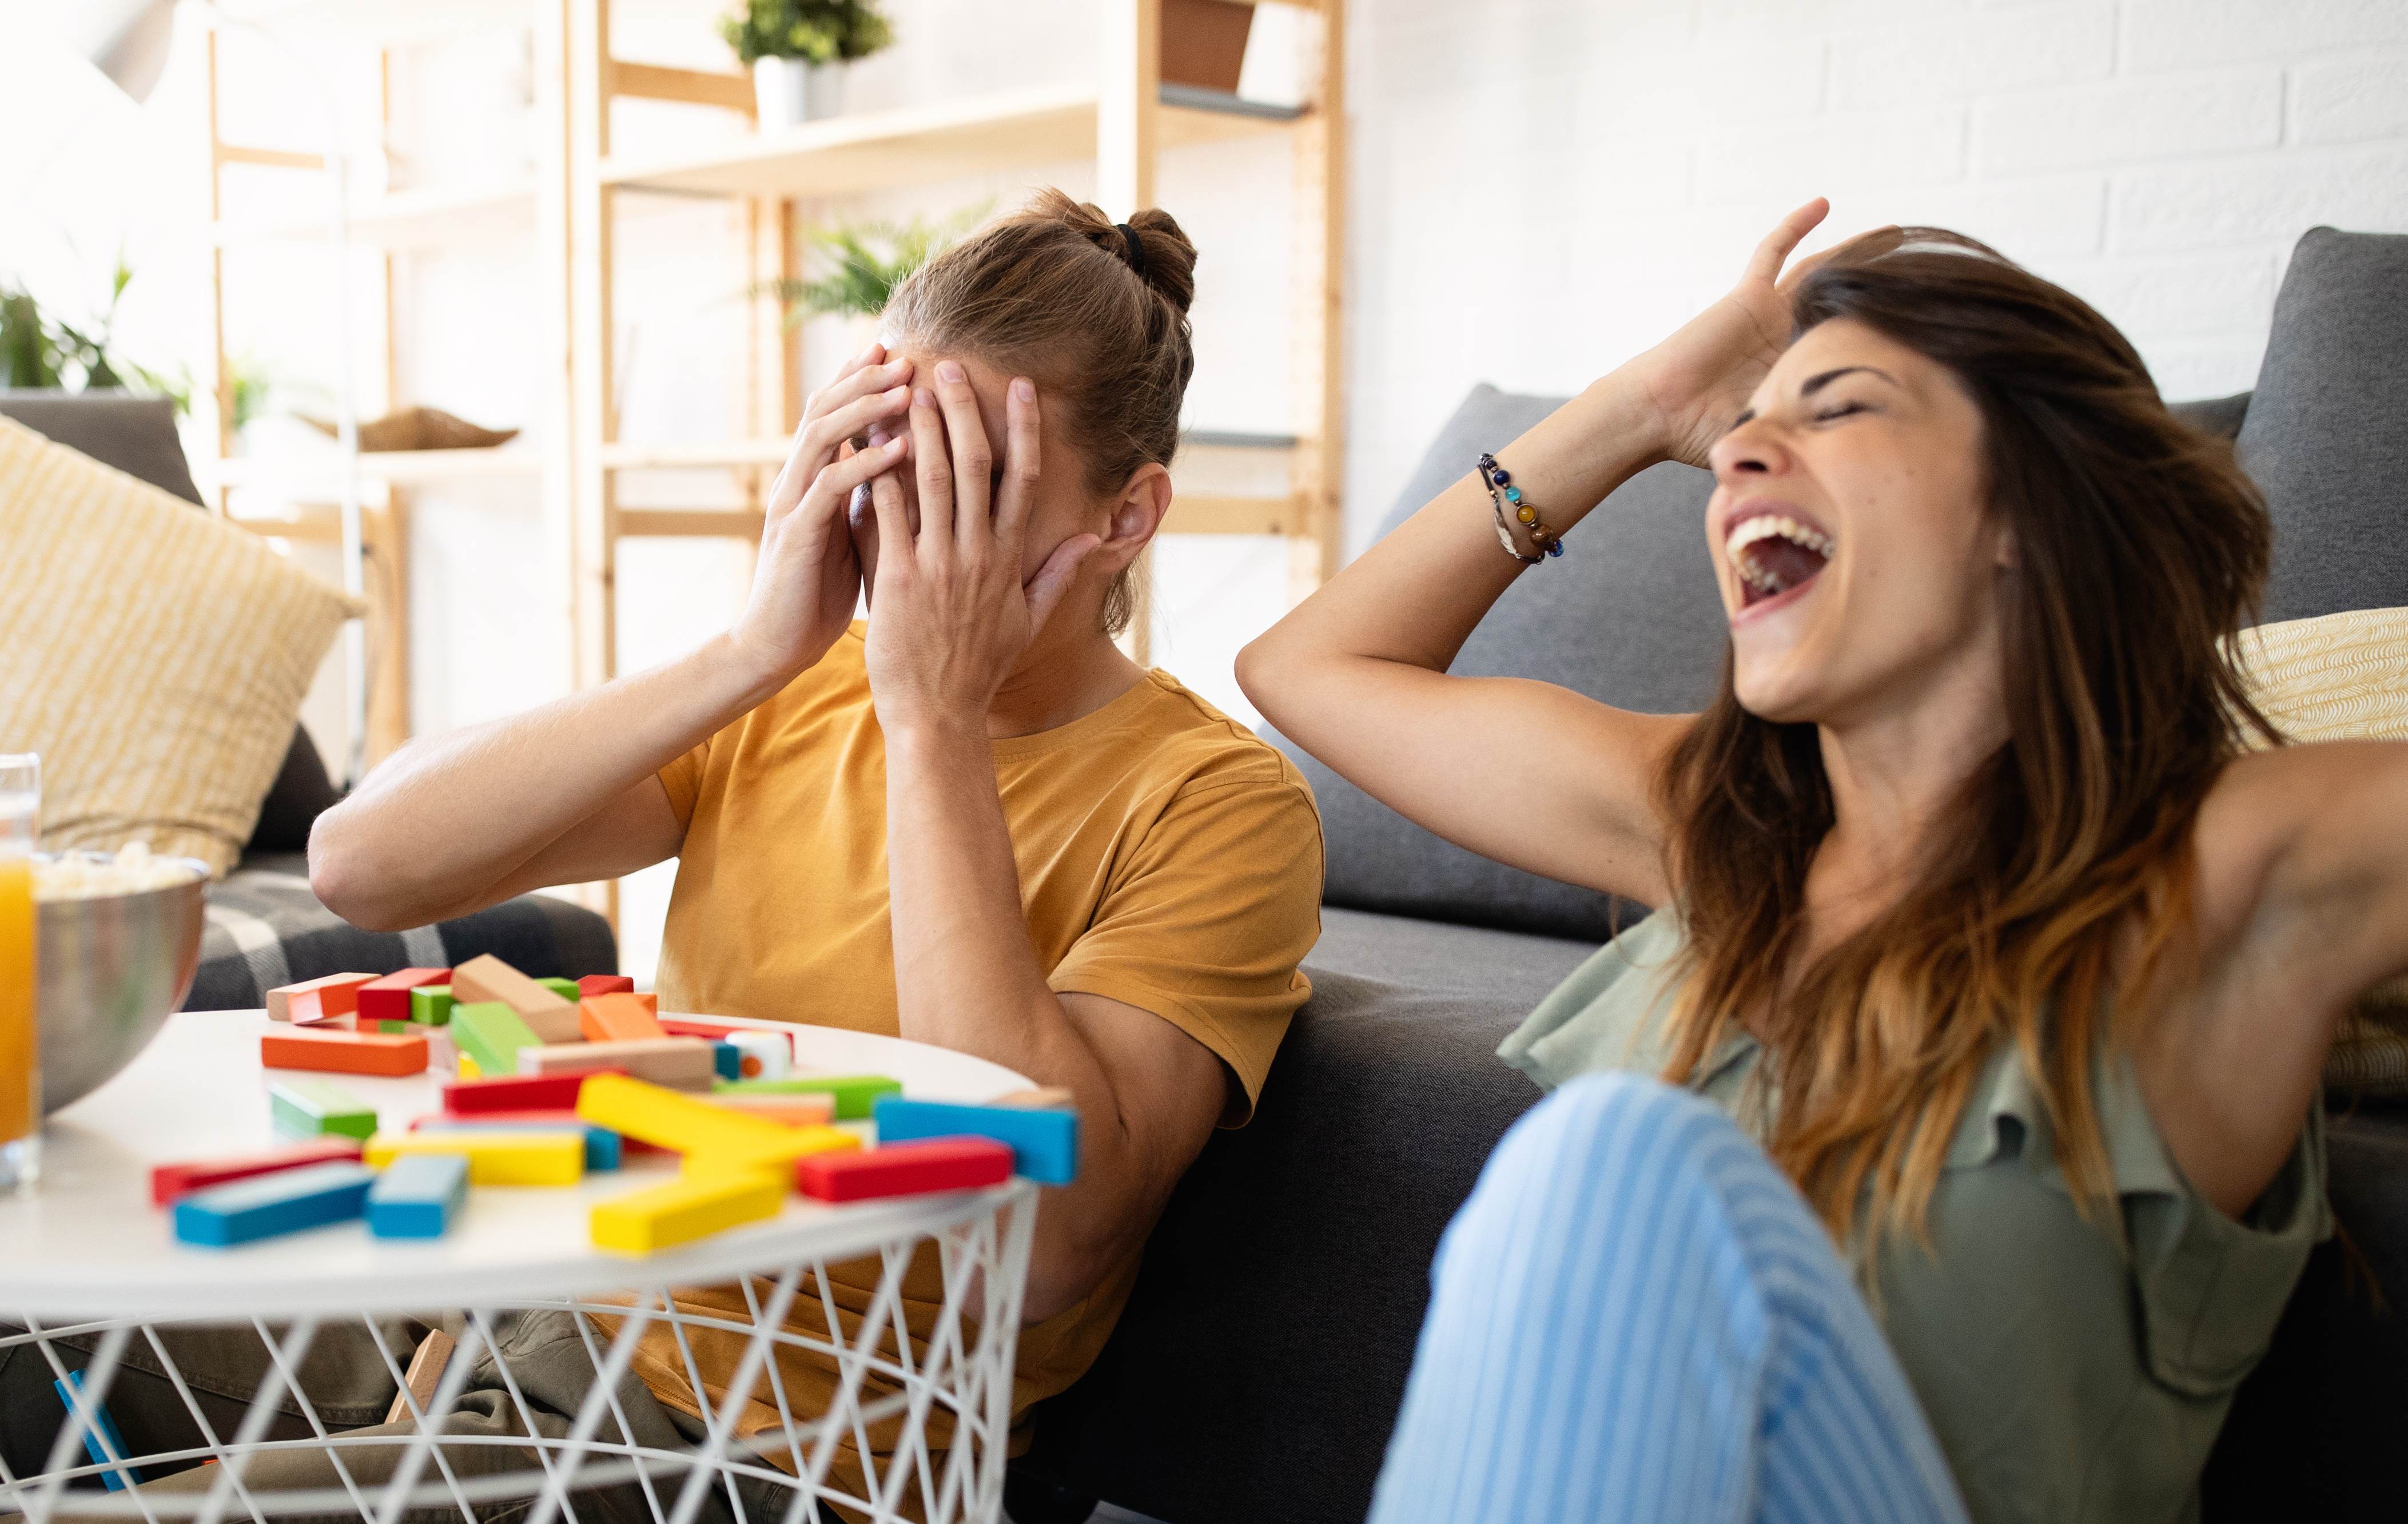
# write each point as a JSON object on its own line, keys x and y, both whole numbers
{"x": 797, "y": 49}
{"x": 858, "y": 265}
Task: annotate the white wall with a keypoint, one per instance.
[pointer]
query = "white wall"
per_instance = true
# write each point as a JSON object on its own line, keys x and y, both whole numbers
{"x": 1544, "y": 189}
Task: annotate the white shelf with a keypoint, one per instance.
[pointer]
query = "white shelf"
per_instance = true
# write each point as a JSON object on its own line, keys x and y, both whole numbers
{"x": 402, "y": 220}
{"x": 318, "y": 476}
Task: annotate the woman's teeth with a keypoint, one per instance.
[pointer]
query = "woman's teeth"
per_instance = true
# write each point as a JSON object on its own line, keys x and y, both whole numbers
{"x": 1773, "y": 553}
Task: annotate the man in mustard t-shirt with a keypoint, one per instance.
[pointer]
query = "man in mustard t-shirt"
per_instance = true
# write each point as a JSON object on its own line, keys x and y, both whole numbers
{"x": 968, "y": 820}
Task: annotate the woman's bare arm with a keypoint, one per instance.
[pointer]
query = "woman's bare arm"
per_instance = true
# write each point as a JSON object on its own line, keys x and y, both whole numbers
{"x": 2302, "y": 907}
{"x": 1527, "y": 773}
{"x": 566, "y": 793}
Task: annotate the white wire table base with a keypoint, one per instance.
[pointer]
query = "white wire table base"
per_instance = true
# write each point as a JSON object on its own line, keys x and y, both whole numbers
{"x": 868, "y": 1451}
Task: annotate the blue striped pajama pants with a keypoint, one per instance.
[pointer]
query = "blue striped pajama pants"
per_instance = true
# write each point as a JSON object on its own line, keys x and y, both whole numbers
{"x": 1637, "y": 1317}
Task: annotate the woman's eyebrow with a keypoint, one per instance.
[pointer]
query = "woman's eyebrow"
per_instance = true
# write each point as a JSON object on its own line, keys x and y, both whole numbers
{"x": 1816, "y": 383}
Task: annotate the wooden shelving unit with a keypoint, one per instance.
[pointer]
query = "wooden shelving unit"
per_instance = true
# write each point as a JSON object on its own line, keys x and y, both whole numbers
{"x": 1124, "y": 121}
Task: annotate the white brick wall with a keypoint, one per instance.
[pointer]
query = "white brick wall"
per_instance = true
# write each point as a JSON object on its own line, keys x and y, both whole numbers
{"x": 1544, "y": 187}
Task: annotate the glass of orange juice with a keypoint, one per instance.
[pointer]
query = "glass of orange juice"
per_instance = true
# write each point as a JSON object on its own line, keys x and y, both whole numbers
{"x": 20, "y": 1070}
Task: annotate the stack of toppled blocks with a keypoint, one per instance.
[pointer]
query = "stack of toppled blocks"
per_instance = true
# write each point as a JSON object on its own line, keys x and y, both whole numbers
{"x": 558, "y": 1080}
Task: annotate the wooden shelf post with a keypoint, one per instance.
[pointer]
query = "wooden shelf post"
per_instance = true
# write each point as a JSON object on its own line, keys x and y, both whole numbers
{"x": 1128, "y": 131}
{"x": 1317, "y": 369}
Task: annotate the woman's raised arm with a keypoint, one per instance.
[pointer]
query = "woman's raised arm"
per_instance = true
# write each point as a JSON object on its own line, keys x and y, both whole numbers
{"x": 1528, "y": 774}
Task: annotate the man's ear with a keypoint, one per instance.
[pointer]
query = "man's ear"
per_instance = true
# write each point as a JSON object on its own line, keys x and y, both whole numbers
{"x": 1137, "y": 514}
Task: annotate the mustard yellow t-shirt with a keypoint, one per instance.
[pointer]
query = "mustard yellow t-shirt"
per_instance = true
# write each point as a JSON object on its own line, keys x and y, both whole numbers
{"x": 1168, "y": 859}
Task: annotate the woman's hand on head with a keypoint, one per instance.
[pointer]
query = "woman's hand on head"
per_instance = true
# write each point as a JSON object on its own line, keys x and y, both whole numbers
{"x": 1698, "y": 380}
{"x": 949, "y": 614}
{"x": 806, "y": 579}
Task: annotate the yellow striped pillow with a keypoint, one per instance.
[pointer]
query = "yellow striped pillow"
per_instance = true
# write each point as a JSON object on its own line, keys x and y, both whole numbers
{"x": 2343, "y": 676}
{"x": 156, "y": 658}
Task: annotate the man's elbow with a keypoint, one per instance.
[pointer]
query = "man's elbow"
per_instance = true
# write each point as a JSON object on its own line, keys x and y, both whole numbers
{"x": 347, "y": 882}
{"x": 1064, "y": 1268}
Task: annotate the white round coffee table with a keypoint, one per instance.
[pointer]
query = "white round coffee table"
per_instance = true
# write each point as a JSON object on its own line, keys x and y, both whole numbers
{"x": 89, "y": 1258}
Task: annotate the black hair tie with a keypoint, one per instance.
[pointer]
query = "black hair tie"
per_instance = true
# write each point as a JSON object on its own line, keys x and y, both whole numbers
{"x": 1136, "y": 249}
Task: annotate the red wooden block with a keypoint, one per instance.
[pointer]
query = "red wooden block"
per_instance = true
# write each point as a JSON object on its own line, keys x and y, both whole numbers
{"x": 388, "y": 998}
{"x": 698, "y": 1026}
{"x": 605, "y": 983}
{"x": 324, "y": 999}
{"x": 514, "y": 1093}
{"x": 342, "y": 1053}
{"x": 910, "y": 1168}
{"x": 616, "y": 1019}
{"x": 169, "y": 1181}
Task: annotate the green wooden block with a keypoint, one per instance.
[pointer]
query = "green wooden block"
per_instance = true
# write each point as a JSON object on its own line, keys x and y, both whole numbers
{"x": 566, "y": 988}
{"x": 854, "y": 1094}
{"x": 396, "y": 1028}
{"x": 491, "y": 1033}
{"x": 431, "y": 1004}
{"x": 316, "y": 1107}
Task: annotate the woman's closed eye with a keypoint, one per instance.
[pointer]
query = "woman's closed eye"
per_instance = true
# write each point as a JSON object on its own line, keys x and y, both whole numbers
{"x": 1841, "y": 410}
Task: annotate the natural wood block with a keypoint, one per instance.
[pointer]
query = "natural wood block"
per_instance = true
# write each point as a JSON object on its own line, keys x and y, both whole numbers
{"x": 424, "y": 1375}
{"x": 682, "y": 1063}
{"x": 487, "y": 978}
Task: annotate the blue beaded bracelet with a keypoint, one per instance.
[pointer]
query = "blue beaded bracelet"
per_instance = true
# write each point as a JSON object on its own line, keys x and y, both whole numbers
{"x": 1501, "y": 492}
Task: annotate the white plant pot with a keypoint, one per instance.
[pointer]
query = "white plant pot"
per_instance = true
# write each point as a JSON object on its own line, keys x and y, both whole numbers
{"x": 790, "y": 92}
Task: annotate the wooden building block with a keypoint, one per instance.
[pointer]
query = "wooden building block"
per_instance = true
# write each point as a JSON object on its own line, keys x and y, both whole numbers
{"x": 285, "y": 1202}
{"x": 605, "y": 983}
{"x": 798, "y": 1143}
{"x": 794, "y": 1110}
{"x": 854, "y": 1094}
{"x": 1044, "y": 1141}
{"x": 718, "y": 1031}
{"x": 682, "y": 1063}
{"x": 683, "y": 1210}
{"x": 616, "y": 1019}
{"x": 566, "y": 988}
{"x": 316, "y": 1000}
{"x": 425, "y": 1373}
{"x": 388, "y": 998}
{"x": 102, "y": 1443}
{"x": 417, "y": 1194}
{"x": 727, "y": 1061}
{"x": 342, "y": 1053}
{"x": 663, "y": 1117}
{"x": 313, "y": 1108}
{"x": 553, "y": 1158}
{"x": 1057, "y": 1096}
{"x": 911, "y": 1168}
{"x": 604, "y": 1148}
{"x": 762, "y": 1055}
{"x": 487, "y": 978}
{"x": 515, "y": 1093}
{"x": 430, "y": 1005}
{"x": 490, "y": 1035}
{"x": 170, "y": 1181}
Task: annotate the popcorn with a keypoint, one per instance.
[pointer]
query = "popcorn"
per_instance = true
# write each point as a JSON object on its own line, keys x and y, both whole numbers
{"x": 88, "y": 875}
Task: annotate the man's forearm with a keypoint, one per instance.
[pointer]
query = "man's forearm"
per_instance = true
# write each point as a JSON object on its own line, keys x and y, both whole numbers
{"x": 440, "y": 823}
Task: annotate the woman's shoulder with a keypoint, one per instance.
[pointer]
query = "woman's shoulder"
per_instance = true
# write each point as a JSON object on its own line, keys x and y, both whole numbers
{"x": 1609, "y": 1013}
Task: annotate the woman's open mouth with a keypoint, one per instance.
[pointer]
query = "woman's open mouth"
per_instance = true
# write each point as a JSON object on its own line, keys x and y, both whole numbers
{"x": 1774, "y": 554}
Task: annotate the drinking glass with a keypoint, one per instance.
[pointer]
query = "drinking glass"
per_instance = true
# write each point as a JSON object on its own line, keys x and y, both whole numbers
{"x": 20, "y": 1068}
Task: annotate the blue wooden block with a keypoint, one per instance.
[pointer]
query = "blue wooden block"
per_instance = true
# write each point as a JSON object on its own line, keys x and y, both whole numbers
{"x": 604, "y": 1148}
{"x": 417, "y": 1194}
{"x": 91, "y": 1445}
{"x": 1044, "y": 1140}
{"x": 285, "y": 1202}
{"x": 729, "y": 1061}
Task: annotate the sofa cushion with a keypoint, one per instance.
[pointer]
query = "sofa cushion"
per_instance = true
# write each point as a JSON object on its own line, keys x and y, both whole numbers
{"x": 1282, "y": 1292}
{"x": 265, "y": 928}
{"x": 157, "y": 658}
{"x": 2323, "y": 436}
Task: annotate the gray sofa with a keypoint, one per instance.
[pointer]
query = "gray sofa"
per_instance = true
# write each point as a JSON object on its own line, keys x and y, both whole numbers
{"x": 1257, "y": 1371}
{"x": 265, "y": 926}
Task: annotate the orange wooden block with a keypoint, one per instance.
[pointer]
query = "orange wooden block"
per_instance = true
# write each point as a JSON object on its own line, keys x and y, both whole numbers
{"x": 337, "y": 994}
{"x": 616, "y": 1019}
{"x": 552, "y": 1018}
{"x": 343, "y": 1052}
{"x": 815, "y": 1109}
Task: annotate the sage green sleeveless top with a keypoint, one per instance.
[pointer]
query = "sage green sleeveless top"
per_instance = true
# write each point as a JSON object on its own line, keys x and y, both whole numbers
{"x": 2067, "y": 1378}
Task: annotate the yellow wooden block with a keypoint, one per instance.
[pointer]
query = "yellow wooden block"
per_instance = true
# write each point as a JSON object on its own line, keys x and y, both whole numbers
{"x": 468, "y": 1070}
{"x": 665, "y": 1118}
{"x": 495, "y": 1158}
{"x": 777, "y": 1154}
{"x": 685, "y": 1208}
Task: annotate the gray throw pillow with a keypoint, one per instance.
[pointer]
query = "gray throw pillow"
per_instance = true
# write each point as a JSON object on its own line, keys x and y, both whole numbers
{"x": 2326, "y": 431}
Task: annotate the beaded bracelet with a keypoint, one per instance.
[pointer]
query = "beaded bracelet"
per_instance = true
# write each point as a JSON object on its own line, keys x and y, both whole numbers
{"x": 1501, "y": 491}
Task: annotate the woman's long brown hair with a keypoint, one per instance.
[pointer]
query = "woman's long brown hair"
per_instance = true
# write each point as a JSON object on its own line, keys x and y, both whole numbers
{"x": 2059, "y": 881}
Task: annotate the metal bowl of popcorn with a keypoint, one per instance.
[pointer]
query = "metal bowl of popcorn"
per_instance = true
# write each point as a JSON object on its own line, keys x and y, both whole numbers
{"x": 120, "y": 942}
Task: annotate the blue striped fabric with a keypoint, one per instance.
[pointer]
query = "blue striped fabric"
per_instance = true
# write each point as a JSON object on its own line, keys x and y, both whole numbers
{"x": 1636, "y": 1317}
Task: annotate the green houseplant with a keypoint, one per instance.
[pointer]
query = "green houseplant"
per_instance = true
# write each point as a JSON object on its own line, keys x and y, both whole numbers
{"x": 797, "y": 50}
{"x": 40, "y": 351}
{"x": 857, "y": 266}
